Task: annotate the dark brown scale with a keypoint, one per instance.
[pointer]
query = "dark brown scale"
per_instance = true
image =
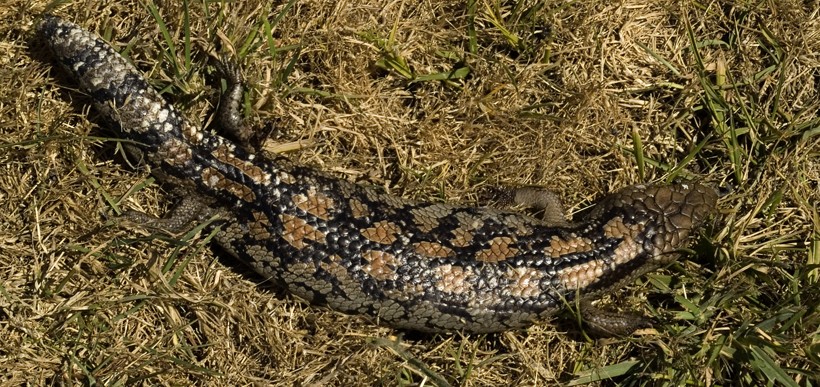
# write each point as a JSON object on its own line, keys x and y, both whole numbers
{"x": 408, "y": 265}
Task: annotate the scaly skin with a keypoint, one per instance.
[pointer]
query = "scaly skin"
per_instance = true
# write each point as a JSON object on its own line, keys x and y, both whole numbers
{"x": 423, "y": 266}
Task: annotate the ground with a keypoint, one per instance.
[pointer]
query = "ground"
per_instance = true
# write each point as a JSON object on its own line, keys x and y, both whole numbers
{"x": 441, "y": 101}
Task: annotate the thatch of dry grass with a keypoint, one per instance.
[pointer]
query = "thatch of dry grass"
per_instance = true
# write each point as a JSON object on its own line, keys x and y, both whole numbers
{"x": 429, "y": 100}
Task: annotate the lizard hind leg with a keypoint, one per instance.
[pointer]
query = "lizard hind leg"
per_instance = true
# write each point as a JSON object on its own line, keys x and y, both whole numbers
{"x": 229, "y": 116}
{"x": 229, "y": 113}
{"x": 190, "y": 209}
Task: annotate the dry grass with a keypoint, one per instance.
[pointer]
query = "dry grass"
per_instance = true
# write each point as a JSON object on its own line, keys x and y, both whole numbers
{"x": 430, "y": 100}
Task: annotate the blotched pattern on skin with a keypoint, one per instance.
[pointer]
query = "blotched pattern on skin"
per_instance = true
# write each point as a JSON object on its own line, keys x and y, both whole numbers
{"x": 425, "y": 266}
